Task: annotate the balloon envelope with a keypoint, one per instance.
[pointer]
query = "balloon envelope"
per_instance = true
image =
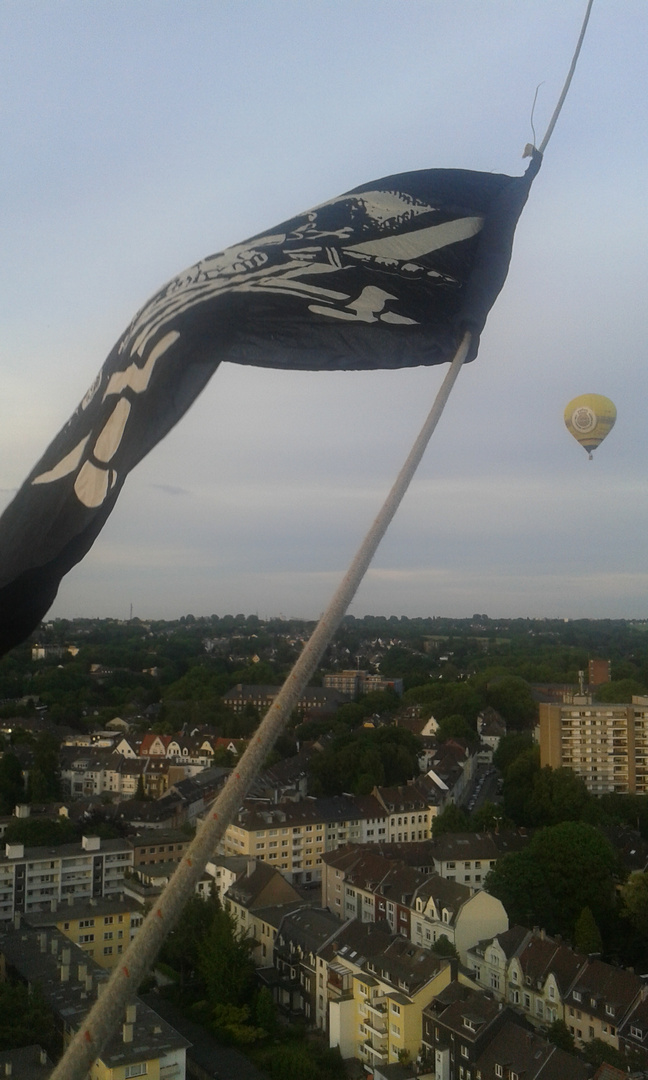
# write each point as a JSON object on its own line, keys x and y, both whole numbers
{"x": 589, "y": 418}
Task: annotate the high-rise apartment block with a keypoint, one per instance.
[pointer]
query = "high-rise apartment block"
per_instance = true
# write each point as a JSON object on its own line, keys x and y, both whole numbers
{"x": 605, "y": 744}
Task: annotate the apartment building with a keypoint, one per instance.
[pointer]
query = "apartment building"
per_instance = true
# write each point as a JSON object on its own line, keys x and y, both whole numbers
{"x": 144, "y": 1044}
{"x": 293, "y": 837}
{"x": 468, "y": 1036}
{"x": 31, "y": 879}
{"x": 354, "y": 683}
{"x": 377, "y": 985}
{"x": 103, "y": 928}
{"x": 605, "y": 744}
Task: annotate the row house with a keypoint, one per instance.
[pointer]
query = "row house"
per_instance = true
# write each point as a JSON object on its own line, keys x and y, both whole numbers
{"x": 409, "y": 814}
{"x": 604, "y": 1003}
{"x": 32, "y": 879}
{"x": 293, "y": 976}
{"x": 223, "y": 871}
{"x": 450, "y": 768}
{"x": 254, "y": 900}
{"x": 84, "y": 774}
{"x": 422, "y": 906}
{"x": 545, "y": 980}
{"x": 468, "y": 857}
{"x": 468, "y": 1035}
{"x": 442, "y": 908}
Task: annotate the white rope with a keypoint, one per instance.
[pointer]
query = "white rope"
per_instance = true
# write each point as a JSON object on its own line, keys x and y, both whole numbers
{"x": 570, "y": 73}
{"x": 135, "y": 963}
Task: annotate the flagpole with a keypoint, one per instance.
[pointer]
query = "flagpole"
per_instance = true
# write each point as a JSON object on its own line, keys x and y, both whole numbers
{"x": 135, "y": 963}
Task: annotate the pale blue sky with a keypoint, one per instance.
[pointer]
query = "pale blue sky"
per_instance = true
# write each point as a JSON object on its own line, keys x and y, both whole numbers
{"x": 139, "y": 136}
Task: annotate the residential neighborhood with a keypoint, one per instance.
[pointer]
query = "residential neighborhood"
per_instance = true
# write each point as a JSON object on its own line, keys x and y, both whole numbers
{"x": 364, "y": 881}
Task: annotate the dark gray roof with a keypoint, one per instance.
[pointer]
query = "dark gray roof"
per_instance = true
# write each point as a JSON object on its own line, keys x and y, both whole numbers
{"x": 70, "y": 996}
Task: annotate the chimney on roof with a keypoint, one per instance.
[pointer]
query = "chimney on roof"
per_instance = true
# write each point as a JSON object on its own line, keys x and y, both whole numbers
{"x": 43, "y": 1057}
{"x": 131, "y": 1013}
{"x": 16, "y": 920}
{"x": 82, "y": 972}
{"x": 65, "y": 972}
{"x": 88, "y": 983}
{"x": 8, "y": 1069}
{"x": 127, "y": 1033}
{"x": 54, "y": 946}
{"x": 251, "y": 867}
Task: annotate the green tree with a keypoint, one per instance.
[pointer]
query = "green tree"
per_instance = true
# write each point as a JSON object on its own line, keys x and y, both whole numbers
{"x": 265, "y": 1011}
{"x": 182, "y": 949}
{"x": 225, "y": 967}
{"x": 444, "y": 947}
{"x": 634, "y": 896}
{"x": 564, "y": 869}
{"x": 22, "y": 1013}
{"x": 44, "y": 777}
{"x": 457, "y": 727}
{"x": 621, "y": 691}
{"x": 510, "y": 747}
{"x": 587, "y": 936}
{"x": 41, "y": 831}
{"x": 557, "y": 795}
{"x": 559, "y": 1034}
{"x": 490, "y": 817}
{"x": 512, "y": 698}
{"x": 519, "y": 781}
{"x": 12, "y": 784}
{"x": 452, "y": 819}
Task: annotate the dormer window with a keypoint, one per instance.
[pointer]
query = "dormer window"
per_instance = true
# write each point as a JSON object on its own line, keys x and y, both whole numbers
{"x": 577, "y": 996}
{"x": 499, "y": 1071}
{"x": 609, "y": 1010}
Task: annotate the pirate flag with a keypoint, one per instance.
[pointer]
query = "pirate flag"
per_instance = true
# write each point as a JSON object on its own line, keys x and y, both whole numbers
{"x": 389, "y": 275}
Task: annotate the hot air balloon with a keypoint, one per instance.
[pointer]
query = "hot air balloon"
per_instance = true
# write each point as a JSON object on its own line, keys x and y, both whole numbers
{"x": 589, "y": 418}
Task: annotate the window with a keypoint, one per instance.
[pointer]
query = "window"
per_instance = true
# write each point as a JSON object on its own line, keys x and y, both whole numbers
{"x": 139, "y": 1069}
{"x": 499, "y": 1071}
{"x": 108, "y": 950}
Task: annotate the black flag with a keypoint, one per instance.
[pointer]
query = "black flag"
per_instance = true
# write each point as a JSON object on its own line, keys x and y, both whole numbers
{"x": 389, "y": 275}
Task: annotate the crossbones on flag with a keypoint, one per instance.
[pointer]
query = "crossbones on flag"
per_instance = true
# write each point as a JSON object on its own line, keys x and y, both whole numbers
{"x": 389, "y": 275}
